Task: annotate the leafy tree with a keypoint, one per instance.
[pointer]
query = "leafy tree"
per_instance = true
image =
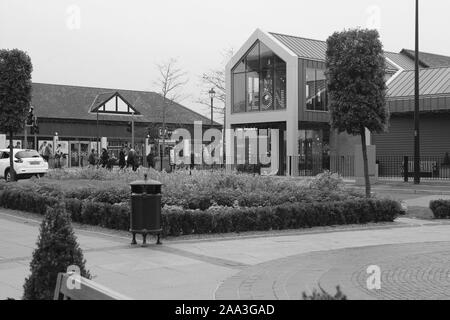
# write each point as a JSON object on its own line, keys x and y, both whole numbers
{"x": 355, "y": 73}
{"x": 57, "y": 249}
{"x": 15, "y": 94}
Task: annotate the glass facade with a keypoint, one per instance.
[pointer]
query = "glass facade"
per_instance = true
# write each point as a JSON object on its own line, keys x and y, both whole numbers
{"x": 259, "y": 81}
{"x": 313, "y": 149}
{"x": 316, "y": 90}
{"x": 239, "y": 92}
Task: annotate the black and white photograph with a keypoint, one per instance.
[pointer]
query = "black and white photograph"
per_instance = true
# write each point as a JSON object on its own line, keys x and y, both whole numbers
{"x": 223, "y": 157}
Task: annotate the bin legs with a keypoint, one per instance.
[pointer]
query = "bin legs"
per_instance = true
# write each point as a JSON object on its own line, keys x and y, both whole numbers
{"x": 144, "y": 239}
{"x": 158, "y": 240}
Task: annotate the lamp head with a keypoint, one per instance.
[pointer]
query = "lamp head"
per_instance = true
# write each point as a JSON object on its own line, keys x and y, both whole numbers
{"x": 212, "y": 93}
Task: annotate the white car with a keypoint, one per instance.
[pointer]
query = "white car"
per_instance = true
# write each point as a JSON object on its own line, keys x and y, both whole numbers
{"x": 27, "y": 163}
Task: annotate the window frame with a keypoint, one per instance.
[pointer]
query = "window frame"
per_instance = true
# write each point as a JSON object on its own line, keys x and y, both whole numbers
{"x": 276, "y": 65}
{"x": 316, "y": 92}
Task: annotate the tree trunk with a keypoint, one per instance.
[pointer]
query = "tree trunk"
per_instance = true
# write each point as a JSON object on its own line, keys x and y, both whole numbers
{"x": 164, "y": 134}
{"x": 11, "y": 158}
{"x": 366, "y": 164}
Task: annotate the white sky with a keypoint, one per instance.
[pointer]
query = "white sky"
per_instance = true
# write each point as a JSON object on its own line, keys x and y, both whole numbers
{"x": 118, "y": 42}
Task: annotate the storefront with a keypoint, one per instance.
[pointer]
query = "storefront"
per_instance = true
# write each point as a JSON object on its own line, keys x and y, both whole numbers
{"x": 81, "y": 119}
{"x": 271, "y": 84}
{"x": 277, "y": 78}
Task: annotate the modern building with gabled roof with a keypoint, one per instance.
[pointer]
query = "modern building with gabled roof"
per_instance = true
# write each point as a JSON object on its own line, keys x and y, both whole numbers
{"x": 81, "y": 116}
{"x": 277, "y": 81}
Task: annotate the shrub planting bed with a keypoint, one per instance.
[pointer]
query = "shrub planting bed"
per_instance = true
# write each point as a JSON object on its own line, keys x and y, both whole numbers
{"x": 204, "y": 202}
{"x": 440, "y": 209}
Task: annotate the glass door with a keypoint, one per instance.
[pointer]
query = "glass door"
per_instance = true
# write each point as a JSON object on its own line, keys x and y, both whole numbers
{"x": 84, "y": 154}
{"x": 74, "y": 154}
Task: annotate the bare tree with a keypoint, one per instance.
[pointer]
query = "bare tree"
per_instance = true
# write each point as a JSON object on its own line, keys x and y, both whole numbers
{"x": 215, "y": 78}
{"x": 171, "y": 79}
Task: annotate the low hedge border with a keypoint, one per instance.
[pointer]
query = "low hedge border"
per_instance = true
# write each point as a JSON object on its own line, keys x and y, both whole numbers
{"x": 177, "y": 221}
{"x": 440, "y": 209}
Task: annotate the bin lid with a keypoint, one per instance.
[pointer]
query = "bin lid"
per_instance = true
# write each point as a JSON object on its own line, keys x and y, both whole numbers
{"x": 146, "y": 183}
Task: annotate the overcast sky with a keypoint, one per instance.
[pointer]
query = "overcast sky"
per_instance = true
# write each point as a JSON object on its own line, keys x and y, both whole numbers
{"x": 115, "y": 44}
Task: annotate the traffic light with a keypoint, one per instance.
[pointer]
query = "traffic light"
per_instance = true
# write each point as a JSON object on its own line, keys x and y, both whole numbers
{"x": 30, "y": 117}
{"x": 129, "y": 126}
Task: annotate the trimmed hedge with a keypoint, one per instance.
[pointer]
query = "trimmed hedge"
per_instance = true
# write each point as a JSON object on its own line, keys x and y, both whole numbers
{"x": 440, "y": 208}
{"x": 216, "y": 219}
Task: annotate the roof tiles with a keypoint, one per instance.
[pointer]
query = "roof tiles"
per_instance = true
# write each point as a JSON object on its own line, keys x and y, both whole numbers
{"x": 74, "y": 102}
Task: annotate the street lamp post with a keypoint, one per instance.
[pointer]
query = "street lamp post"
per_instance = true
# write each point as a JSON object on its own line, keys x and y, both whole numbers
{"x": 132, "y": 130}
{"x": 212, "y": 94}
{"x": 416, "y": 105}
{"x": 98, "y": 137}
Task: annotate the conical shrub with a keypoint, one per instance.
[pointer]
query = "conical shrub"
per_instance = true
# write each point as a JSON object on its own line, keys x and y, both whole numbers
{"x": 57, "y": 249}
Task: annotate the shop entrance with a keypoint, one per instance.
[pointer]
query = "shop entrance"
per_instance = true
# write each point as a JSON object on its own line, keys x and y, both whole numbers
{"x": 78, "y": 154}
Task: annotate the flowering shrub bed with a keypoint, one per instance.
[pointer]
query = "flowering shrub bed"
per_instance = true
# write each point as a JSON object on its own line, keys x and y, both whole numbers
{"x": 200, "y": 190}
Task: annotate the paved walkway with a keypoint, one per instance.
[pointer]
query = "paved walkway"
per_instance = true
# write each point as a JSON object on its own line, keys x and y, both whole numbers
{"x": 431, "y": 187}
{"x": 413, "y": 256}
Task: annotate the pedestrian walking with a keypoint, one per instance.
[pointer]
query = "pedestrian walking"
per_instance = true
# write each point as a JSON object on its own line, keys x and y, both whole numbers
{"x": 111, "y": 162}
{"x": 151, "y": 160}
{"x": 92, "y": 159}
{"x": 122, "y": 160}
{"x": 58, "y": 156}
{"x": 104, "y": 158}
{"x": 132, "y": 159}
{"x": 42, "y": 148}
{"x": 47, "y": 153}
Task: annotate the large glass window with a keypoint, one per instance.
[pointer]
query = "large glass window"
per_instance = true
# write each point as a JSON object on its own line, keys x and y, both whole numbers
{"x": 252, "y": 91}
{"x": 239, "y": 92}
{"x": 267, "y": 89}
{"x": 252, "y": 59}
{"x": 316, "y": 90}
{"x": 280, "y": 84}
{"x": 264, "y": 84}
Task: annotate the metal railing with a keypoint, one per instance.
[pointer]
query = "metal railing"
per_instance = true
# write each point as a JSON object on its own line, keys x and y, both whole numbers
{"x": 309, "y": 166}
{"x": 402, "y": 168}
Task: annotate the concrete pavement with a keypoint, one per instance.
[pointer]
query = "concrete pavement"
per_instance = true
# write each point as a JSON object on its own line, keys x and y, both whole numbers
{"x": 265, "y": 267}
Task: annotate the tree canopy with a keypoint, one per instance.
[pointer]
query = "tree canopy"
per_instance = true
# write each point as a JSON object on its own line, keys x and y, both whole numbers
{"x": 57, "y": 249}
{"x": 356, "y": 81}
{"x": 15, "y": 89}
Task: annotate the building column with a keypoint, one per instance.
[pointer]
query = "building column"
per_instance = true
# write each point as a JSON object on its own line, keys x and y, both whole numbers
{"x": 292, "y": 115}
{"x": 103, "y": 143}
{"x": 228, "y": 141}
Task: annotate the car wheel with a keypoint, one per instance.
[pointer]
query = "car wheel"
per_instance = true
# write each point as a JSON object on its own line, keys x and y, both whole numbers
{"x": 8, "y": 175}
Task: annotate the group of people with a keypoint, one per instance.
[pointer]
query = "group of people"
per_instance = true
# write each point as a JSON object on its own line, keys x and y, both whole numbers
{"x": 128, "y": 157}
{"x": 46, "y": 152}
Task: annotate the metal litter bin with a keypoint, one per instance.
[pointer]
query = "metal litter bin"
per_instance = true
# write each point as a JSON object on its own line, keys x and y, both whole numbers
{"x": 145, "y": 217}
